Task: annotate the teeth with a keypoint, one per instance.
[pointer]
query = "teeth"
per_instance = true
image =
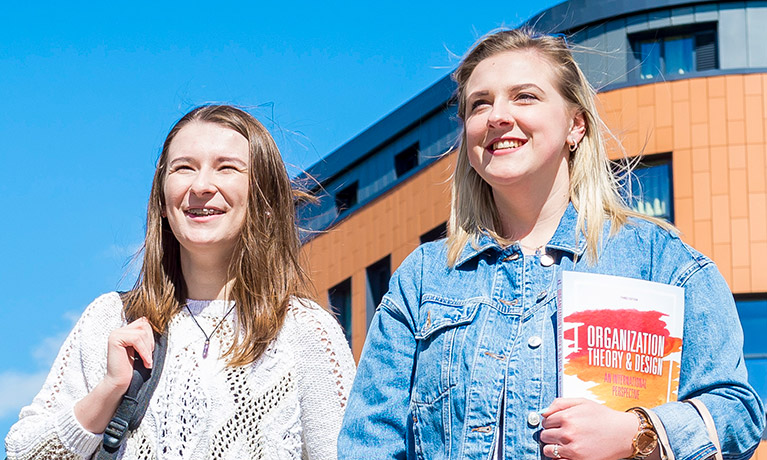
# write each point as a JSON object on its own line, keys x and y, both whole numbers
{"x": 506, "y": 144}
{"x": 203, "y": 211}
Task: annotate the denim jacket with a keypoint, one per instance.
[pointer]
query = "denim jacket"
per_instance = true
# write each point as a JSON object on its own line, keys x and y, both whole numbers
{"x": 450, "y": 348}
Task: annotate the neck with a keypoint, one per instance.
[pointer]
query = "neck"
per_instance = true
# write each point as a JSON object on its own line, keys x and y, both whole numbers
{"x": 205, "y": 276}
{"x": 530, "y": 213}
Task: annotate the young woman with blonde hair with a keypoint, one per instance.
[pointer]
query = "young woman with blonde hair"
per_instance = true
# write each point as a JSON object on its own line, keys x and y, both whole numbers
{"x": 252, "y": 369}
{"x": 460, "y": 359}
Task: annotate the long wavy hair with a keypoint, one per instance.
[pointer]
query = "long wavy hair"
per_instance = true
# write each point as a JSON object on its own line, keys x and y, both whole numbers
{"x": 594, "y": 187}
{"x": 265, "y": 267}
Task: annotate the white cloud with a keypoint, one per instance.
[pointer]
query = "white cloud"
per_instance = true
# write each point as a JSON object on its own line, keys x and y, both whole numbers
{"x": 18, "y": 390}
{"x": 45, "y": 352}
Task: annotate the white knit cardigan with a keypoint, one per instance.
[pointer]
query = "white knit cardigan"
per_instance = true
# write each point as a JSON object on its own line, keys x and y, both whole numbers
{"x": 288, "y": 404}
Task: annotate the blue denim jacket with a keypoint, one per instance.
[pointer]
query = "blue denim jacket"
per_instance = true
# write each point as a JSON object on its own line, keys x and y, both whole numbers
{"x": 450, "y": 348}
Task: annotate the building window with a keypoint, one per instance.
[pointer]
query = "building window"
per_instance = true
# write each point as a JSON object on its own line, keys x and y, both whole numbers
{"x": 406, "y": 160}
{"x": 752, "y": 309}
{"x": 436, "y": 233}
{"x": 650, "y": 188}
{"x": 675, "y": 51}
{"x": 340, "y": 297}
{"x": 346, "y": 198}
{"x": 378, "y": 276}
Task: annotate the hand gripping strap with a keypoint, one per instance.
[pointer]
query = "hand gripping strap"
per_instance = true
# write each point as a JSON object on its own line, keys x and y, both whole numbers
{"x": 134, "y": 402}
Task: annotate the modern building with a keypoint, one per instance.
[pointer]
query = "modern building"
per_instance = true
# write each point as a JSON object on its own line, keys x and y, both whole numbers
{"x": 682, "y": 82}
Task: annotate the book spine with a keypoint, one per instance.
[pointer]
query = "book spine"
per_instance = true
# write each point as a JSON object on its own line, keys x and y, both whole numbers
{"x": 559, "y": 334}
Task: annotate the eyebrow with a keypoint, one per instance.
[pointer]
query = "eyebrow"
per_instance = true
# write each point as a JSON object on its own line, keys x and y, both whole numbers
{"x": 512, "y": 88}
{"x": 221, "y": 159}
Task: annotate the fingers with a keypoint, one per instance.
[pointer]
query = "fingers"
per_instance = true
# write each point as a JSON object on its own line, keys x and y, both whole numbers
{"x": 561, "y": 404}
{"x": 136, "y": 337}
{"x": 555, "y": 451}
{"x": 143, "y": 344}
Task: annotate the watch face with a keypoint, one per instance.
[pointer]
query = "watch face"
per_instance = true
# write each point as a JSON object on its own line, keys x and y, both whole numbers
{"x": 646, "y": 441}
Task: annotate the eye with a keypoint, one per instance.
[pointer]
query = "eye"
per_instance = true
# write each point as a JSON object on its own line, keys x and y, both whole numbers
{"x": 229, "y": 167}
{"x": 477, "y": 103}
{"x": 526, "y": 97}
{"x": 179, "y": 167}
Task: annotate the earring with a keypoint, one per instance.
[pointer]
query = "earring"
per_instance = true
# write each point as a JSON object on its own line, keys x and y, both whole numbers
{"x": 573, "y": 147}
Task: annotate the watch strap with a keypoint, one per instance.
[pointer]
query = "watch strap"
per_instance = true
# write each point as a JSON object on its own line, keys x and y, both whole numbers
{"x": 646, "y": 429}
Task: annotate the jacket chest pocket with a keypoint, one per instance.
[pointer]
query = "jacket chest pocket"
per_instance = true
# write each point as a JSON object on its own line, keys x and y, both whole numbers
{"x": 442, "y": 336}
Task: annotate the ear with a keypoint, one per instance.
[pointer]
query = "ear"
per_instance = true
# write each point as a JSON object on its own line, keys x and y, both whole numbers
{"x": 578, "y": 129}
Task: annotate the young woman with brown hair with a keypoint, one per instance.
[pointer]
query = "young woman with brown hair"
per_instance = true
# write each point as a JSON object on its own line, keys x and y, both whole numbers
{"x": 253, "y": 369}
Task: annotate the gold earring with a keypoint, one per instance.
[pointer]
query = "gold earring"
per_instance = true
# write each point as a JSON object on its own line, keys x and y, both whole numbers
{"x": 573, "y": 147}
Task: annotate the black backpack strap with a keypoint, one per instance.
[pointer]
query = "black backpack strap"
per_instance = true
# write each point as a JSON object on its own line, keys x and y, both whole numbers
{"x": 134, "y": 402}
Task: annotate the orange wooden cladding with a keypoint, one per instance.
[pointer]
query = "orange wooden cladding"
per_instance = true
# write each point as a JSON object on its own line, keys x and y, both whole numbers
{"x": 715, "y": 129}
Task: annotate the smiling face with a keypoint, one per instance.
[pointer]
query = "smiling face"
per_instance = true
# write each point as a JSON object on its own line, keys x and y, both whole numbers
{"x": 206, "y": 188}
{"x": 517, "y": 125}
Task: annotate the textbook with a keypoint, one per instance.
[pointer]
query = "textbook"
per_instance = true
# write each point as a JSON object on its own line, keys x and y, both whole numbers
{"x": 620, "y": 339}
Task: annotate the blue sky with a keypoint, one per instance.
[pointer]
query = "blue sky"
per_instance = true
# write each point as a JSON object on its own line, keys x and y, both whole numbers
{"x": 89, "y": 92}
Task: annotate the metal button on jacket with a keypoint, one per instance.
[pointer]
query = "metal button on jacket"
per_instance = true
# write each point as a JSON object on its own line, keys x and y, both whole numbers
{"x": 534, "y": 342}
{"x": 533, "y": 418}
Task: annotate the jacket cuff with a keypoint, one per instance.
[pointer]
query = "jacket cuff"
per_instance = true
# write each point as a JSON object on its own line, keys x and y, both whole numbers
{"x": 73, "y": 436}
{"x": 686, "y": 432}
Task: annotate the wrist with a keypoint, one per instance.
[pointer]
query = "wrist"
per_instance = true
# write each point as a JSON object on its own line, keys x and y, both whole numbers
{"x": 645, "y": 441}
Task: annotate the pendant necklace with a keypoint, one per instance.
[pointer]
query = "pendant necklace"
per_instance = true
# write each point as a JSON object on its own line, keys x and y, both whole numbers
{"x": 544, "y": 258}
{"x": 207, "y": 337}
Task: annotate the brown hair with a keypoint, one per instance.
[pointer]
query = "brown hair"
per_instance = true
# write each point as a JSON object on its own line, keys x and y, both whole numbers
{"x": 265, "y": 266}
{"x": 594, "y": 188}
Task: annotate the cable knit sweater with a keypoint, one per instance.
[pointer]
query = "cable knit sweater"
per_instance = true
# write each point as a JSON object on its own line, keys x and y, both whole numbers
{"x": 288, "y": 404}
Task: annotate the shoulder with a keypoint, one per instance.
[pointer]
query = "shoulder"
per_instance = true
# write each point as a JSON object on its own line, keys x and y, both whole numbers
{"x": 307, "y": 322}
{"x": 305, "y": 312}
{"x": 668, "y": 258}
{"x": 106, "y": 311}
{"x": 314, "y": 335}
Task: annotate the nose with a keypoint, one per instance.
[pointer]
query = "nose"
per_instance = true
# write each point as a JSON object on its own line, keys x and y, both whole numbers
{"x": 203, "y": 183}
{"x": 500, "y": 116}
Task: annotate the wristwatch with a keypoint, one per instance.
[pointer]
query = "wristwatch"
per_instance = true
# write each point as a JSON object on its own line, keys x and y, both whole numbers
{"x": 646, "y": 439}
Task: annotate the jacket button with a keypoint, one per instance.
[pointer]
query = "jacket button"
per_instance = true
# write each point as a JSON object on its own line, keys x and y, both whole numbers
{"x": 534, "y": 342}
{"x": 533, "y": 418}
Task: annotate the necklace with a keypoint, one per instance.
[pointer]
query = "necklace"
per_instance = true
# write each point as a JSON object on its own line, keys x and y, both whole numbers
{"x": 207, "y": 337}
{"x": 544, "y": 258}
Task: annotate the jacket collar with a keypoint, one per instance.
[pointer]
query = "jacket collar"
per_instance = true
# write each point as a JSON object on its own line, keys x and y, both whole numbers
{"x": 564, "y": 239}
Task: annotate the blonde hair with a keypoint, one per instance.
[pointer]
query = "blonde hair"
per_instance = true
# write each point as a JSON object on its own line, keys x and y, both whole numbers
{"x": 265, "y": 266}
{"x": 594, "y": 188}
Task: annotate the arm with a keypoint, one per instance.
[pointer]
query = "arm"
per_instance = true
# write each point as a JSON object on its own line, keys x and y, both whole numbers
{"x": 713, "y": 369}
{"x": 377, "y": 424}
{"x": 51, "y": 427}
{"x": 325, "y": 369}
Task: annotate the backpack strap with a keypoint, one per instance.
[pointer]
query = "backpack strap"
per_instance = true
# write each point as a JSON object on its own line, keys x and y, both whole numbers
{"x": 135, "y": 401}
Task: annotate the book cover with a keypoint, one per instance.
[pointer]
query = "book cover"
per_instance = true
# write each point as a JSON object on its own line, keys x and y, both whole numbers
{"x": 620, "y": 339}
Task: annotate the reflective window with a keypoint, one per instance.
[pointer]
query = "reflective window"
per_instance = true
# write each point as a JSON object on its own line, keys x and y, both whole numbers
{"x": 378, "y": 275}
{"x": 676, "y": 51}
{"x": 340, "y": 297}
{"x": 650, "y": 188}
{"x": 752, "y": 310}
